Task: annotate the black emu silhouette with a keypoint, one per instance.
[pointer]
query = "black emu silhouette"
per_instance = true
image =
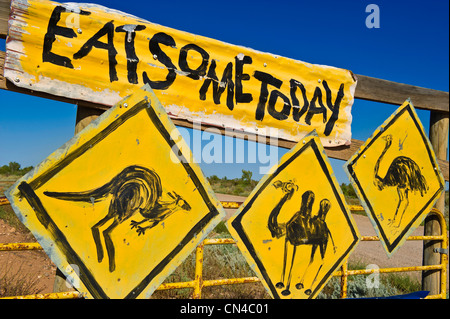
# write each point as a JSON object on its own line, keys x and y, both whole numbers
{"x": 134, "y": 190}
{"x": 301, "y": 229}
{"x": 402, "y": 173}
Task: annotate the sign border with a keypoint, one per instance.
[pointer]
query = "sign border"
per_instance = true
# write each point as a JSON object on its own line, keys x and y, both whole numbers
{"x": 237, "y": 221}
{"x": 348, "y": 166}
{"x": 27, "y": 191}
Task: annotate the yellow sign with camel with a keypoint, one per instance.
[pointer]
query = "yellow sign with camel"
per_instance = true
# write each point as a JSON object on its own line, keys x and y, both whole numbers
{"x": 295, "y": 229}
{"x": 396, "y": 176}
{"x": 121, "y": 204}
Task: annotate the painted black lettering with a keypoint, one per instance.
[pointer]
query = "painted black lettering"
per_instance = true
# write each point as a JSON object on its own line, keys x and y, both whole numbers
{"x": 184, "y": 66}
{"x": 333, "y": 108}
{"x": 265, "y": 79}
{"x": 314, "y": 110}
{"x": 52, "y": 31}
{"x": 219, "y": 88}
{"x": 241, "y": 76}
{"x": 108, "y": 30}
{"x": 132, "y": 59}
{"x": 297, "y": 113}
{"x": 284, "y": 113}
{"x": 155, "y": 49}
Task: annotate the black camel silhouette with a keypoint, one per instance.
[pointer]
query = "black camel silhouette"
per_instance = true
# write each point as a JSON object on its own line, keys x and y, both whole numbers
{"x": 134, "y": 190}
{"x": 301, "y": 229}
{"x": 402, "y": 173}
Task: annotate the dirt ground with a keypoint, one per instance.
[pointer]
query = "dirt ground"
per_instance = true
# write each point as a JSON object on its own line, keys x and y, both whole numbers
{"x": 36, "y": 264}
{"x": 372, "y": 252}
{"x": 33, "y": 263}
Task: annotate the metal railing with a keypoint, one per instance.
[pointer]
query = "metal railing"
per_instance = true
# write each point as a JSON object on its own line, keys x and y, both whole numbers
{"x": 442, "y": 267}
{"x": 198, "y": 283}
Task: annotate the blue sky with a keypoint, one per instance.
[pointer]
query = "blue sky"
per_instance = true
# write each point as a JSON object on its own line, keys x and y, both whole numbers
{"x": 411, "y": 46}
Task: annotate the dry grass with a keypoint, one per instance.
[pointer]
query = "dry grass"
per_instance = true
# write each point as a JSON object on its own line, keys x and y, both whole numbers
{"x": 14, "y": 282}
{"x": 220, "y": 262}
{"x": 6, "y": 181}
{"x": 7, "y": 214}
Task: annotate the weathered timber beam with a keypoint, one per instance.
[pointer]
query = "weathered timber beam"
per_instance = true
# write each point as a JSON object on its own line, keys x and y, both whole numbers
{"x": 384, "y": 91}
{"x": 4, "y": 15}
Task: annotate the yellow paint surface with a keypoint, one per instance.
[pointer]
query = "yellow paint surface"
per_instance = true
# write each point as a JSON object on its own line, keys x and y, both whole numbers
{"x": 185, "y": 63}
{"x": 396, "y": 176}
{"x": 129, "y": 136}
{"x": 304, "y": 168}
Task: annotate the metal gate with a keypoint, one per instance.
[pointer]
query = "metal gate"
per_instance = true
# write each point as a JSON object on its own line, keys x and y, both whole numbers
{"x": 198, "y": 283}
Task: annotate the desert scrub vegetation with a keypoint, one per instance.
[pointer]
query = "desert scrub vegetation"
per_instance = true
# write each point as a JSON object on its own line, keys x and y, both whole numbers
{"x": 10, "y": 173}
{"x": 7, "y": 215}
{"x": 15, "y": 169}
{"x": 389, "y": 284}
{"x": 14, "y": 282}
{"x": 226, "y": 261}
{"x": 242, "y": 186}
{"x": 219, "y": 262}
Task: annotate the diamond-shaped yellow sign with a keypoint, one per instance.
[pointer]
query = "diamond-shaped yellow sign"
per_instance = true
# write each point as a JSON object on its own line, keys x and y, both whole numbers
{"x": 121, "y": 204}
{"x": 295, "y": 229}
{"x": 396, "y": 177}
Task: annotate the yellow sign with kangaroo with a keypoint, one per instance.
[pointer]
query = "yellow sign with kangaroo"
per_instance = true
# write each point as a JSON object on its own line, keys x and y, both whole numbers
{"x": 121, "y": 204}
{"x": 396, "y": 176}
{"x": 92, "y": 53}
{"x": 295, "y": 229}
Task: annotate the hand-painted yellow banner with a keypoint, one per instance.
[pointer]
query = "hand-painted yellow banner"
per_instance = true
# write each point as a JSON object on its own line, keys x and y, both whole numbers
{"x": 93, "y": 53}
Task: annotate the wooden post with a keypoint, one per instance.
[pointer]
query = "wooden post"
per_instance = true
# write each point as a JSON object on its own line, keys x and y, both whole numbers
{"x": 85, "y": 115}
{"x": 439, "y": 140}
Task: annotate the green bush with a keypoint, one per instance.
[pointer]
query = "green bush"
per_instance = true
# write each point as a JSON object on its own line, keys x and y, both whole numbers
{"x": 348, "y": 190}
{"x": 357, "y": 288}
{"x": 13, "y": 168}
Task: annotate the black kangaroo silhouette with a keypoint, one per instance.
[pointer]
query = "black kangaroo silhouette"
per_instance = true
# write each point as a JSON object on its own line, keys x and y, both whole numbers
{"x": 135, "y": 189}
{"x": 301, "y": 229}
{"x": 402, "y": 173}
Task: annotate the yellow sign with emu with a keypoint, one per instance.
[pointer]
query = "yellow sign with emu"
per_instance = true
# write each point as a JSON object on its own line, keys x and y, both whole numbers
{"x": 396, "y": 177}
{"x": 121, "y": 204}
{"x": 295, "y": 229}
